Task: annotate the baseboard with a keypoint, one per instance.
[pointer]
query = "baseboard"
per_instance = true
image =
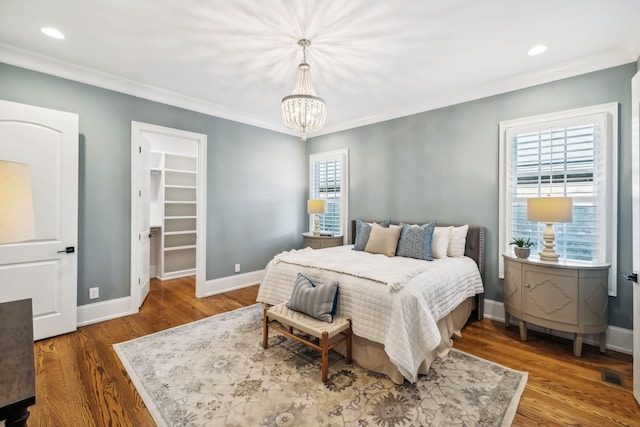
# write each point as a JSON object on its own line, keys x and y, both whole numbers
{"x": 618, "y": 339}
{"x": 104, "y": 310}
{"x": 231, "y": 283}
{"x": 119, "y": 307}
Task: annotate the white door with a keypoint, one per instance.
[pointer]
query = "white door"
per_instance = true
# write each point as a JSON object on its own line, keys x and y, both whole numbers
{"x": 43, "y": 269}
{"x": 145, "y": 221}
{"x": 141, "y": 198}
{"x": 146, "y": 138}
{"x": 635, "y": 173}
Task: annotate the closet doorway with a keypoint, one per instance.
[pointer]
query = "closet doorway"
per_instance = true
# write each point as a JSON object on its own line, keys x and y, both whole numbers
{"x": 168, "y": 207}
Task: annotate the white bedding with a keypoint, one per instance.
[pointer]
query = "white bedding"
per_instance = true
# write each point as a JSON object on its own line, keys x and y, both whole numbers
{"x": 401, "y": 314}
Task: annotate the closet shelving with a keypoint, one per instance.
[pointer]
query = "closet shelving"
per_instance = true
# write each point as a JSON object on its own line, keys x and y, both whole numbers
{"x": 177, "y": 202}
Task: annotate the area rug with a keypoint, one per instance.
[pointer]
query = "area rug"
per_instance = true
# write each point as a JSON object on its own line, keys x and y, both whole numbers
{"x": 214, "y": 372}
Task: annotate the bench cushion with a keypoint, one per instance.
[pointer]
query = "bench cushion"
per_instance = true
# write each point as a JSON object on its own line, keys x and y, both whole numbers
{"x": 305, "y": 323}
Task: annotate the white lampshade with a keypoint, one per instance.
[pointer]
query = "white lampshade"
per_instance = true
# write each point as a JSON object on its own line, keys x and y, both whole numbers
{"x": 316, "y": 206}
{"x": 16, "y": 203}
{"x": 550, "y": 209}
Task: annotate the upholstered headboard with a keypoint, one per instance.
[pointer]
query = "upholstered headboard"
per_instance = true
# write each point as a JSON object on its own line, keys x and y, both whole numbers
{"x": 474, "y": 249}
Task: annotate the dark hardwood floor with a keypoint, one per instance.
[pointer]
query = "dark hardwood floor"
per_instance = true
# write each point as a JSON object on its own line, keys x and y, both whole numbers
{"x": 81, "y": 382}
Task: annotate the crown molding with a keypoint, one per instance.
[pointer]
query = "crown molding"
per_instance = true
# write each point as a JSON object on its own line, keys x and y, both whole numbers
{"x": 583, "y": 65}
{"x": 44, "y": 64}
{"x": 47, "y": 65}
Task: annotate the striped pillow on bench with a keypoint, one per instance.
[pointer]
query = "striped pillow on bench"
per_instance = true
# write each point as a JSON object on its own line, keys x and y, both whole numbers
{"x": 314, "y": 299}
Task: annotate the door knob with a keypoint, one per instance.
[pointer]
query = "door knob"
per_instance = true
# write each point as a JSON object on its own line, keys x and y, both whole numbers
{"x": 632, "y": 277}
{"x": 68, "y": 250}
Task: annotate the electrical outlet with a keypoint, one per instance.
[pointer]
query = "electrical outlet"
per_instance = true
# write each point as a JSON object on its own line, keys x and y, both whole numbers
{"x": 94, "y": 293}
{"x": 237, "y": 268}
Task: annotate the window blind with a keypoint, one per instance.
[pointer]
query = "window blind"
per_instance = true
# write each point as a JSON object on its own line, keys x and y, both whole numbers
{"x": 328, "y": 181}
{"x": 573, "y": 154}
{"x": 561, "y": 162}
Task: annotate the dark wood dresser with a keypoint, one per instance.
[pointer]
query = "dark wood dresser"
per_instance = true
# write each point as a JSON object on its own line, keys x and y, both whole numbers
{"x": 17, "y": 371}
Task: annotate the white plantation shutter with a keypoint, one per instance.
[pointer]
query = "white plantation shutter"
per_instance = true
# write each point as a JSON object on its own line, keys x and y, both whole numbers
{"x": 328, "y": 181}
{"x": 569, "y": 154}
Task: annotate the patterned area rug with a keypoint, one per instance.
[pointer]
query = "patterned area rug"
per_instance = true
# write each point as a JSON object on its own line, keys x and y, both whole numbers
{"x": 214, "y": 372}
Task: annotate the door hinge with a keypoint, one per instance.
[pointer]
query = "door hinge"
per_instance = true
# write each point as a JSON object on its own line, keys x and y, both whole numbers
{"x": 140, "y": 149}
{"x": 139, "y": 238}
{"x": 139, "y": 193}
{"x": 139, "y": 281}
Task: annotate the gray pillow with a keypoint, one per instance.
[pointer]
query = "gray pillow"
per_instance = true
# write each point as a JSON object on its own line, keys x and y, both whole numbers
{"x": 314, "y": 299}
{"x": 415, "y": 241}
{"x": 363, "y": 231}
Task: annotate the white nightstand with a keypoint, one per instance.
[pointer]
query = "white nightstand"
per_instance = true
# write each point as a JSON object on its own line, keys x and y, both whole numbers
{"x": 319, "y": 242}
{"x": 565, "y": 296}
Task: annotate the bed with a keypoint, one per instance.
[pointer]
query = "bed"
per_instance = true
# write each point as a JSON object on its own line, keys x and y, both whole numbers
{"x": 404, "y": 311}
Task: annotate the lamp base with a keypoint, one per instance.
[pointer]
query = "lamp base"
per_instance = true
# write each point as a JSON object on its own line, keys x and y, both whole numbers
{"x": 549, "y": 253}
{"x": 316, "y": 225}
{"x": 549, "y": 256}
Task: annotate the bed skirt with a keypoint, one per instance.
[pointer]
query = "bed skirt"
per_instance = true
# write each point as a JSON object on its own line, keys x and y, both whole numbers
{"x": 371, "y": 355}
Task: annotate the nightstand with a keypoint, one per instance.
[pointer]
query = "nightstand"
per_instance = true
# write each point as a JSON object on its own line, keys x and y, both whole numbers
{"x": 568, "y": 296}
{"x": 319, "y": 242}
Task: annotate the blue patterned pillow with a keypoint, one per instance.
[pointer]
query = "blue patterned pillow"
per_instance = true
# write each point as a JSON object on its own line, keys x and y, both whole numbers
{"x": 314, "y": 299}
{"x": 363, "y": 231}
{"x": 415, "y": 241}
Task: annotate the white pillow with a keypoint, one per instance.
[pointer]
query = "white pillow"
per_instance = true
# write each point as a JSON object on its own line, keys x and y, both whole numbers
{"x": 440, "y": 241}
{"x": 457, "y": 241}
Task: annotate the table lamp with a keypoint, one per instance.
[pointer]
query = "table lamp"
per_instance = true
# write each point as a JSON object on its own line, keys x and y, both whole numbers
{"x": 316, "y": 207}
{"x": 549, "y": 210}
{"x": 16, "y": 203}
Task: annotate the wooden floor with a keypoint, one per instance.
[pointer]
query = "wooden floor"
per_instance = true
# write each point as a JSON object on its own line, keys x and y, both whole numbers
{"x": 81, "y": 382}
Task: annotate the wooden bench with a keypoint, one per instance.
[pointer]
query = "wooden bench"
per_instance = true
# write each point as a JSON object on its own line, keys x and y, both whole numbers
{"x": 329, "y": 334}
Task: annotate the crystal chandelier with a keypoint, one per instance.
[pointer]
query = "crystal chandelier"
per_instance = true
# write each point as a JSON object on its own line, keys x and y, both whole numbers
{"x": 303, "y": 111}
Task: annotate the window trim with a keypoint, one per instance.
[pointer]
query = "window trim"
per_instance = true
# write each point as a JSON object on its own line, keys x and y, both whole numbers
{"x": 612, "y": 136}
{"x": 343, "y": 154}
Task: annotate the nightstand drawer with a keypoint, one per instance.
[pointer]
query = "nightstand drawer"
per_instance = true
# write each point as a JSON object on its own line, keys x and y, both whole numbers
{"x": 319, "y": 242}
{"x": 551, "y": 294}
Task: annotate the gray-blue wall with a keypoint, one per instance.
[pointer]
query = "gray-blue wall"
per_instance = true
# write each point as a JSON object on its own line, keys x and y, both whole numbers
{"x": 256, "y": 180}
{"x": 443, "y": 164}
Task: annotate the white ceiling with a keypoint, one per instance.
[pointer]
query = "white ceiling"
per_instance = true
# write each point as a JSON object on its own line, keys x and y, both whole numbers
{"x": 371, "y": 60}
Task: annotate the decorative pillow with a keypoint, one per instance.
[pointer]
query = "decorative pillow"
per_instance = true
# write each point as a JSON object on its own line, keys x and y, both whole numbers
{"x": 440, "y": 242}
{"x": 383, "y": 240}
{"x": 457, "y": 241}
{"x": 363, "y": 230}
{"x": 314, "y": 299}
{"x": 415, "y": 241}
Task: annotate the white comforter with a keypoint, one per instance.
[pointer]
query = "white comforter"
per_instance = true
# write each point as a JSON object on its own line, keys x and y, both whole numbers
{"x": 400, "y": 311}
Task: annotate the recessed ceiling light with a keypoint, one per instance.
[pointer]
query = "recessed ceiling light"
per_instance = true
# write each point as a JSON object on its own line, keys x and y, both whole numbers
{"x": 537, "y": 50}
{"x": 52, "y": 32}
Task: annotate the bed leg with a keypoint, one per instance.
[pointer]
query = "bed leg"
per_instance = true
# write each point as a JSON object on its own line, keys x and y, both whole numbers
{"x": 265, "y": 328}
{"x": 325, "y": 355}
{"x": 349, "y": 342}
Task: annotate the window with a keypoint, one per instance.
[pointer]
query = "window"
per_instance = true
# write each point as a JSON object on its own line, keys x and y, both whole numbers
{"x": 568, "y": 154}
{"x": 328, "y": 180}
